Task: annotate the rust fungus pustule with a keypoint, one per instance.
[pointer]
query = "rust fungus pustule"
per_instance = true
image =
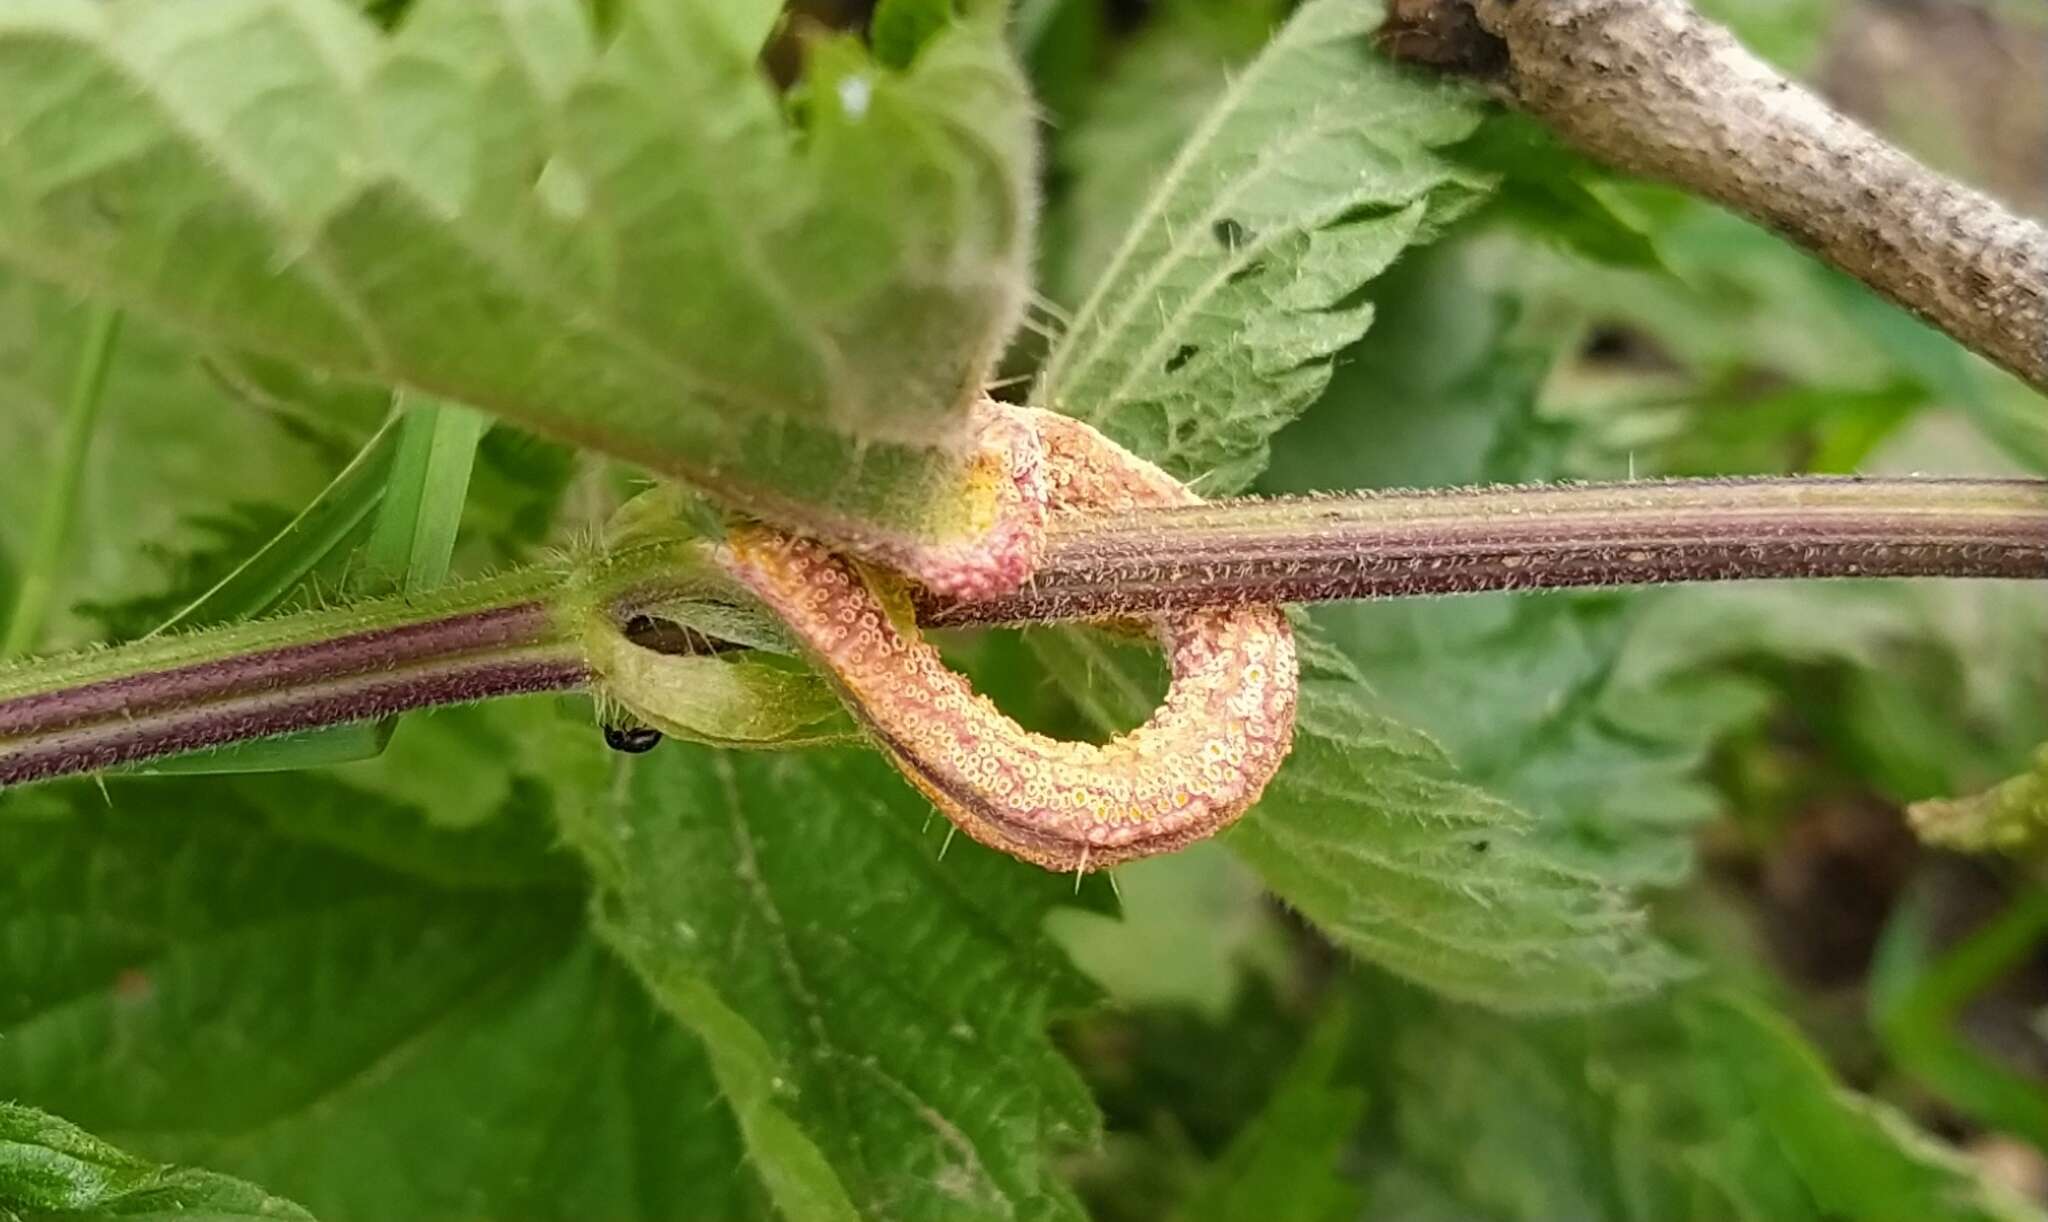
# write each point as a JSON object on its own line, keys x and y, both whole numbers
{"x": 1197, "y": 763}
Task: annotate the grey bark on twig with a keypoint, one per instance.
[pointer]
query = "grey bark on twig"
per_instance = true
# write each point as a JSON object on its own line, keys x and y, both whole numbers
{"x": 1655, "y": 89}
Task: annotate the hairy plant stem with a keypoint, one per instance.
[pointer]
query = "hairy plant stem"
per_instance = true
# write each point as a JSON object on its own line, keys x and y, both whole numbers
{"x": 1405, "y": 544}
{"x": 521, "y": 632}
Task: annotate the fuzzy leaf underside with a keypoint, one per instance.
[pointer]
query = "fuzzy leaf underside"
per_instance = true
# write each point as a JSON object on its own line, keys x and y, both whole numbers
{"x": 1215, "y": 322}
{"x": 638, "y": 247}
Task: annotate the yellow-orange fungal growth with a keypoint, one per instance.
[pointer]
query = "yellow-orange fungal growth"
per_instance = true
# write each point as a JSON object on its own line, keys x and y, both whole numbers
{"x": 1198, "y": 763}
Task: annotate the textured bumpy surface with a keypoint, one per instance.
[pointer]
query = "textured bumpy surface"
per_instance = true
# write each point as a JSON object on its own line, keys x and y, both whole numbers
{"x": 1194, "y": 767}
{"x": 999, "y": 553}
{"x": 1656, "y": 89}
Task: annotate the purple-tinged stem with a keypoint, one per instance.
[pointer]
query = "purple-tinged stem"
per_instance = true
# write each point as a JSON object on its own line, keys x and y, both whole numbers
{"x": 1470, "y": 540}
{"x": 283, "y": 710}
{"x": 169, "y": 695}
{"x": 275, "y": 669}
{"x": 519, "y": 633}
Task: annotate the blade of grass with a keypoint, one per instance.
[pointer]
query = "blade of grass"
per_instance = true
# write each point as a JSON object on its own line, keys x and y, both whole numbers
{"x": 411, "y": 540}
{"x": 321, "y": 530}
{"x": 415, "y": 531}
{"x": 1917, "y": 997}
{"x": 38, "y": 577}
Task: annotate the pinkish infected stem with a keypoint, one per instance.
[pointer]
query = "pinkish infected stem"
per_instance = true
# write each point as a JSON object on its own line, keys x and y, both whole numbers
{"x": 1196, "y": 765}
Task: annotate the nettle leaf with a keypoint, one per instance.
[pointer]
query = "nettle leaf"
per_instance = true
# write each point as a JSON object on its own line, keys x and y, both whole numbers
{"x": 1855, "y": 1156}
{"x": 1215, "y": 321}
{"x": 1371, "y": 832}
{"x": 1535, "y": 698}
{"x": 221, "y": 543}
{"x": 8, "y": 582}
{"x": 1705, "y": 1107}
{"x": 1132, "y": 120}
{"x": 1549, "y": 189}
{"x": 638, "y": 247}
{"x": 295, "y": 981}
{"x": 59, "y": 1170}
{"x": 874, "y": 1009}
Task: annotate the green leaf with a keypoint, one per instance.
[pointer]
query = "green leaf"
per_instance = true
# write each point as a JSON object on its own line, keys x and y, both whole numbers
{"x": 61, "y": 1171}
{"x": 1856, "y": 1157}
{"x": 1215, "y": 321}
{"x": 1704, "y": 1107}
{"x": 215, "y": 548}
{"x": 1551, "y": 190}
{"x": 1370, "y": 832}
{"x": 265, "y": 577}
{"x": 414, "y": 536}
{"x": 8, "y": 582}
{"x": 1283, "y": 1165}
{"x": 1133, "y": 119}
{"x": 1538, "y": 701}
{"x": 283, "y": 753}
{"x": 900, "y": 28}
{"x": 1919, "y": 992}
{"x": 298, "y": 982}
{"x": 874, "y": 1011}
{"x": 462, "y": 768}
{"x": 632, "y": 246}
{"x": 518, "y": 504}
{"x": 1431, "y": 395}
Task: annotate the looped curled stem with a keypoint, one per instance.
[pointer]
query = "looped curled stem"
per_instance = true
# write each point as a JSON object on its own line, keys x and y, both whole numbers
{"x": 1197, "y": 764}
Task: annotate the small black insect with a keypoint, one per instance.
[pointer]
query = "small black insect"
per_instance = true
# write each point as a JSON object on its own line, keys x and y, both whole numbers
{"x": 633, "y": 740}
